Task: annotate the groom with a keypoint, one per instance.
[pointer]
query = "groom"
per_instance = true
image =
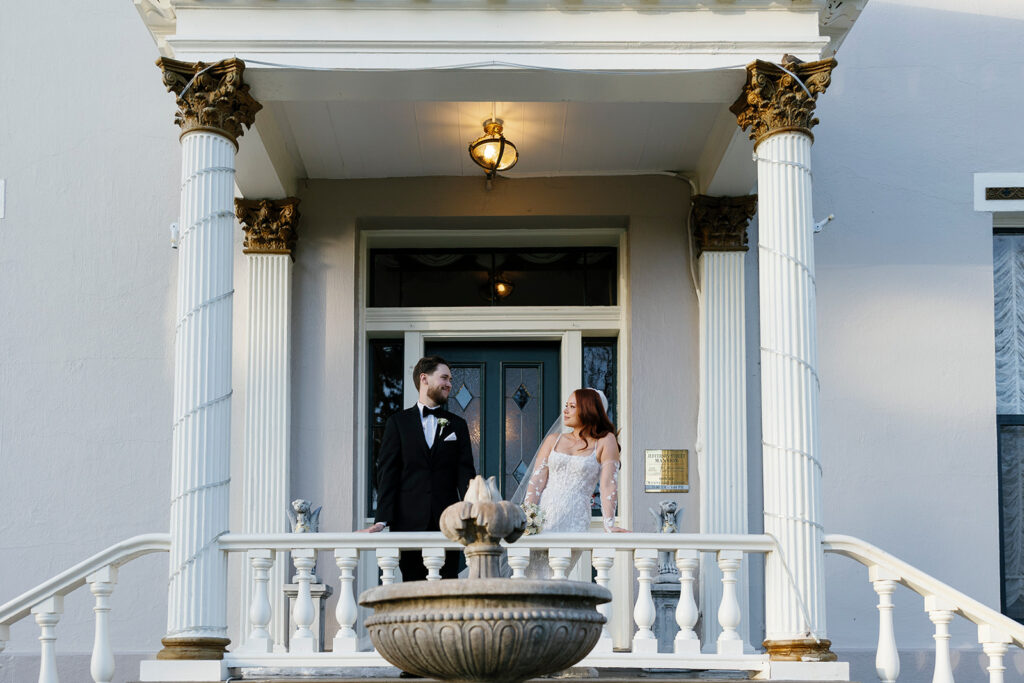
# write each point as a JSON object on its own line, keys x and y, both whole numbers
{"x": 425, "y": 464}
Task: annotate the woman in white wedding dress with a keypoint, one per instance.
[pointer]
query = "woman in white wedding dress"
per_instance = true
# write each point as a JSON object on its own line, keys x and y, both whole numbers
{"x": 569, "y": 465}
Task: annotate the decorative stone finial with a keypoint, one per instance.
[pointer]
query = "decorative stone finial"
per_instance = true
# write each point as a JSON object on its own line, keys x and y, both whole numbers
{"x": 773, "y": 101}
{"x": 720, "y": 223}
{"x": 270, "y": 225}
{"x": 479, "y": 522}
{"x": 210, "y": 96}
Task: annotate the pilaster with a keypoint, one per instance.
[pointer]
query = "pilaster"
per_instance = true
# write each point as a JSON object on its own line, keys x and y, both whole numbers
{"x": 213, "y": 106}
{"x": 270, "y": 227}
{"x": 777, "y": 105}
{"x": 719, "y": 226}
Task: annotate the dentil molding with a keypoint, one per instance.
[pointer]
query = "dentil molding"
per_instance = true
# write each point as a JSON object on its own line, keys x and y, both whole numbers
{"x": 773, "y": 101}
{"x": 210, "y": 96}
{"x": 720, "y": 223}
{"x": 270, "y": 225}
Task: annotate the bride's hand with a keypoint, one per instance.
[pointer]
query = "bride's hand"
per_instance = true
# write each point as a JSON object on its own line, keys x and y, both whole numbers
{"x": 618, "y": 530}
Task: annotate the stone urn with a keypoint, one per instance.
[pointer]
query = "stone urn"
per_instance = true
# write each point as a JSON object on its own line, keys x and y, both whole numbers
{"x": 484, "y": 628}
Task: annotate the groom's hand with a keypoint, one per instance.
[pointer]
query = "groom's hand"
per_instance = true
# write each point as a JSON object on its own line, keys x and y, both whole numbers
{"x": 372, "y": 529}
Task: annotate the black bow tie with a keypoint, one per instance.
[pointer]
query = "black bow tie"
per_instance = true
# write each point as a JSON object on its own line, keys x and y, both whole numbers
{"x": 427, "y": 412}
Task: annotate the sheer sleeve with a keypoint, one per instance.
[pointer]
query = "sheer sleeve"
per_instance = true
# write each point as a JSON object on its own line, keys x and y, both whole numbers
{"x": 609, "y": 487}
{"x": 538, "y": 480}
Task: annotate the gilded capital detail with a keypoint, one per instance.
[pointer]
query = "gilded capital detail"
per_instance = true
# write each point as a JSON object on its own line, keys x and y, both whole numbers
{"x": 773, "y": 101}
{"x": 270, "y": 225}
{"x": 210, "y": 96}
{"x": 720, "y": 223}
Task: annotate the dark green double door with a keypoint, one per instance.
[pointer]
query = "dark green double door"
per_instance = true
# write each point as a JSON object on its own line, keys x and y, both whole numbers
{"x": 508, "y": 394}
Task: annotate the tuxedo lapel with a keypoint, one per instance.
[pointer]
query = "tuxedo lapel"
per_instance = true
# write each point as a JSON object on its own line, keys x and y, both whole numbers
{"x": 439, "y": 433}
{"x": 415, "y": 425}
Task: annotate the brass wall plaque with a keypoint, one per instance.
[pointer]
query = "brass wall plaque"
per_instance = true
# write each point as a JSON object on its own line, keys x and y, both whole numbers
{"x": 666, "y": 471}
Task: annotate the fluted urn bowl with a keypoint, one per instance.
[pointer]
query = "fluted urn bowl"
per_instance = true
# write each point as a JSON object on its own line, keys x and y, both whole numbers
{"x": 490, "y": 629}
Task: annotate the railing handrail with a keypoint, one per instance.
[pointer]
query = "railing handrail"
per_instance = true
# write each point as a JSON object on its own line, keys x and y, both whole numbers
{"x": 70, "y": 579}
{"x": 758, "y": 543}
{"x": 924, "y": 584}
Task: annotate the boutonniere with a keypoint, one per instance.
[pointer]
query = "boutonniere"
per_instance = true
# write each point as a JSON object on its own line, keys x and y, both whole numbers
{"x": 442, "y": 422}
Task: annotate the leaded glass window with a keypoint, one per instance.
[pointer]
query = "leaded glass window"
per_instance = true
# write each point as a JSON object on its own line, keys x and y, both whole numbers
{"x": 599, "y": 372}
{"x": 387, "y": 387}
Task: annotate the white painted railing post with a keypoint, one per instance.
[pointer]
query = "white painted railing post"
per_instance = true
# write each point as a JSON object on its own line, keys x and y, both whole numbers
{"x": 559, "y": 560}
{"x": 603, "y": 560}
{"x": 994, "y": 643}
{"x": 433, "y": 560}
{"x": 940, "y": 611}
{"x": 387, "y": 560}
{"x": 686, "y": 642}
{"x": 346, "y": 612}
{"x": 303, "y": 613}
{"x": 47, "y": 614}
{"x": 887, "y": 657}
{"x": 101, "y": 584}
{"x": 729, "y": 615}
{"x": 518, "y": 560}
{"x": 644, "y": 614}
{"x": 260, "y": 610}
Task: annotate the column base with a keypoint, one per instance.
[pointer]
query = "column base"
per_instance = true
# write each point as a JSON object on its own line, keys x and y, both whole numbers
{"x": 800, "y": 650}
{"x": 178, "y": 671}
{"x": 193, "y": 648}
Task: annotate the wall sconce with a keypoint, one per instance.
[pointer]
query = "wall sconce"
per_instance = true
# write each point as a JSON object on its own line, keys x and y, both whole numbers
{"x": 492, "y": 152}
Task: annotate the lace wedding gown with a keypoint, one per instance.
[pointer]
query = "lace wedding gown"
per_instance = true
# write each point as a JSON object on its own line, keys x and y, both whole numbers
{"x": 562, "y": 485}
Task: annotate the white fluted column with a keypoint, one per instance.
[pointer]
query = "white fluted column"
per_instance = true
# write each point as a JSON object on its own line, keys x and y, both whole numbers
{"x": 269, "y": 227}
{"x": 213, "y": 103}
{"x": 720, "y": 236}
{"x": 779, "y": 108}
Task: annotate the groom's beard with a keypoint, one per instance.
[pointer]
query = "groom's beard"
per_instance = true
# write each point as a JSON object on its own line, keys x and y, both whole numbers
{"x": 437, "y": 394}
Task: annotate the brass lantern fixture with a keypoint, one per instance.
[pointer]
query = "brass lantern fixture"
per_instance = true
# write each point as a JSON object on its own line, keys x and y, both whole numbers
{"x": 492, "y": 152}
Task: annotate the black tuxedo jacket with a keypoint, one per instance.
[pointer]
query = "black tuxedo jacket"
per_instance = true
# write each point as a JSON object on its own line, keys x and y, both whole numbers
{"x": 416, "y": 483}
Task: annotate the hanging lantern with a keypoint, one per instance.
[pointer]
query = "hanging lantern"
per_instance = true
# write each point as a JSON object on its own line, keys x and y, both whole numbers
{"x": 492, "y": 151}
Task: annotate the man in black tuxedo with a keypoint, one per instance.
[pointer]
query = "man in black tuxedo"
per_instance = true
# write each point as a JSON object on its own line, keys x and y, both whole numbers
{"x": 425, "y": 464}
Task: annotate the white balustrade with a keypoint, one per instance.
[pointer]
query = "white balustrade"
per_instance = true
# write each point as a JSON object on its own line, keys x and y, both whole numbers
{"x": 644, "y": 614}
{"x": 261, "y": 560}
{"x": 994, "y": 643}
{"x": 303, "y": 613}
{"x": 47, "y": 614}
{"x": 940, "y": 611}
{"x": 686, "y": 641}
{"x": 887, "y": 657}
{"x": 559, "y": 560}
{"x": 518, "y": 560}
{"x": 603, "y": 560}
{"x": 433, "y": 560}
{"x": 346, "y": 612}
{"x": 101, "y": 585}
{"x": 387, "y": 560}
{"x": 729, "y": 614}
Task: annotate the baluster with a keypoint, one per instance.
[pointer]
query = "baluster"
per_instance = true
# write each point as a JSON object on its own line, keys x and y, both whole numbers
{"x": 559, "y": 560}
{"x": 686, "y": 642}
{"x": 387, "y": 560}
{"x": 101, "y": 584}
{"x": 644, "y": 640}
{"x": 518, "y": 559}
{"x": 729, "y": 615}
{"x": 5, "y": 635}
{"x": 603, "y": 560}
{"x": 303, "y": 614}
{"x": 887, "y": 657}
{"x": 260, "y": 610}
{"x": 433, "y": 560}
{"x": 994, "y": 643}
{"x": 47, "y": 615}
{"x": 940, "y": 611}
{"x": 345, "y": 640}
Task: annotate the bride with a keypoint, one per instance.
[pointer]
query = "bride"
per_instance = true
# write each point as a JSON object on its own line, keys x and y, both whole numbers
{"x": 579, "y": 451}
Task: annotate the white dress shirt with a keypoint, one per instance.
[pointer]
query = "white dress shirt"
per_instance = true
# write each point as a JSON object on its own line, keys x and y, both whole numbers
{"x": 429, "y": 424}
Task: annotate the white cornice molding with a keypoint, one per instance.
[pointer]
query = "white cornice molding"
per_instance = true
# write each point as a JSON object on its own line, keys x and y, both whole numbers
{"x": 472, "y": 321}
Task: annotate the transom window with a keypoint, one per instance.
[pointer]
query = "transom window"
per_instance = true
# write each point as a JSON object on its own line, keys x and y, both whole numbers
{"x": 552, "y": 276}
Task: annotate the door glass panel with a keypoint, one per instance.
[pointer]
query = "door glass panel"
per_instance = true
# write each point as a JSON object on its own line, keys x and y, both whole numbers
{"x": 1011, "y": 498}
{"x": 387, "y": 384}
{"x": 599, "y": 372}
{"x": 523, "y": 397}
{"x": 466, "y": 400}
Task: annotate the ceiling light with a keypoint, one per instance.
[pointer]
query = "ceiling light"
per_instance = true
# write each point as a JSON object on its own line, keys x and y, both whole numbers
{"x": 492, "y": 151}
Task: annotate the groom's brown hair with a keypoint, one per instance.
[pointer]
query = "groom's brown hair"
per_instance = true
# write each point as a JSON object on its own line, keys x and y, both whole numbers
{"x": 427, "y": 365}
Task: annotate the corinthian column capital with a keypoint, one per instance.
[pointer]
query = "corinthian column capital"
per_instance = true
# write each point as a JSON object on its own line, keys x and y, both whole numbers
{"x": 270, "y": 225}
{"x": 773, "y": 101}
{"x": 210, "y": 97}
{"x": 720, "y": 223}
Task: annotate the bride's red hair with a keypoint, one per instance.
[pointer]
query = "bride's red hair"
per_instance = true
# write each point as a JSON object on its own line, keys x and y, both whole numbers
{"x": 591, "y": 413}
